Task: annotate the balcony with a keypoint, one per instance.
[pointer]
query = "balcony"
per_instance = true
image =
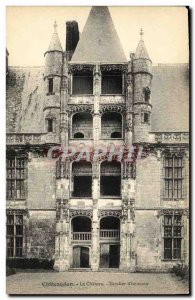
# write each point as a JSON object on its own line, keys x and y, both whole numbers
{"x": 110, "y": 234}
{"x": 81, "y": 236}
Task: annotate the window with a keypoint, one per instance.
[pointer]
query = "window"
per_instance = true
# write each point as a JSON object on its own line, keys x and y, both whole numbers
{"x": 14, "y": 235}
{"x": 15, "y": 177}
{"x": 172, "y": 236}
{"x": 147, "y": 93}
{"x": 50, "y": 125}
{"x": 173, "y": 177}
{"x": 82, "y": 179}
{"x": 146, "y": 118}
{"x": 110, "y": 179}
{"x": 50, "y": 85}
{"x": 112, "y": 83}
{"x": 82, "y": 84}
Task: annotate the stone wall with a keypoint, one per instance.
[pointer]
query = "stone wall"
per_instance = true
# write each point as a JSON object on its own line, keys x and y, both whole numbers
{"x": 148, "y": 238}
{"x": 41, "y": 234}
{"x": 41, "y": 183}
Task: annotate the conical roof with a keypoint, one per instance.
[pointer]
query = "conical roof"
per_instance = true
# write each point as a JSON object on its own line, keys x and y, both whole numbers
{"x": 55, "y": 44}
{"x": 141, "y": 51}
{"x": 99, "y": 41}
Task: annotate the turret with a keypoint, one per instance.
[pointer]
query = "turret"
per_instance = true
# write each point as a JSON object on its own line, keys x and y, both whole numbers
{"x": 142, "y": 77}
{"x": 52, "y": 77}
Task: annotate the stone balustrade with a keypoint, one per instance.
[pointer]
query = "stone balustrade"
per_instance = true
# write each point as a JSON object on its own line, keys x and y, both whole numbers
{"x": 171, "y": 137}
{"x": 31, "y": 138}
{"x": 109, "y": 234}
{"x": 81, "y": 236}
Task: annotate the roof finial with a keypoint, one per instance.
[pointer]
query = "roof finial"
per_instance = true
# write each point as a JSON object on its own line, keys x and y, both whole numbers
{"x": 141, "y": 34}
{"x": 55, "y": 26}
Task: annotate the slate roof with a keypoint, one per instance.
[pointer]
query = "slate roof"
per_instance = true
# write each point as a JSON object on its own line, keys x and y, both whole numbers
{"x": 141, "y": 51}
{"x": 55, "y": 43}
{"x": 170, "y": 99}
{"x": 99, "y": 41}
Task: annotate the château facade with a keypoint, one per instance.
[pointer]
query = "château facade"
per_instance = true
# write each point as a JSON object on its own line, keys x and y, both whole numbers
{"x": 98, "y": 213}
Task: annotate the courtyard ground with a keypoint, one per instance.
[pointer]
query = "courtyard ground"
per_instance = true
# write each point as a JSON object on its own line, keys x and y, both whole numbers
{"x": 95, "y": 283}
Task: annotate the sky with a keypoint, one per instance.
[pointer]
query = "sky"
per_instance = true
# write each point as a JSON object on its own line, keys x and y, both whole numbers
{"x": 29, "y": 30}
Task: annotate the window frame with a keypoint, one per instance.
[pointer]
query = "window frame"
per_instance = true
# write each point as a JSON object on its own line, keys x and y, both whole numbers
{"x": 50, "y": 79}
{"x": 15, "y": 179}
{"x": 143, "y": 116}
{"x": 172, "y": 170}
{"x": 15, "y": 236}
{"x": 173, "y": 237}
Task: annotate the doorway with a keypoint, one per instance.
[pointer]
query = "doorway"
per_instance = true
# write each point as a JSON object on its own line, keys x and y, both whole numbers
{"x": 109, "y": 256}
{"x": 80, "y": 257}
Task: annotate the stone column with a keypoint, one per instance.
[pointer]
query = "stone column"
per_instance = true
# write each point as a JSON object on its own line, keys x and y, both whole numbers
{"x": 95, "y": 252}
{"x": 127, "y": 262}
{"x": 96, "y": 116}
{"x": 62, "y": 256}
{"x": 62, "y": 260}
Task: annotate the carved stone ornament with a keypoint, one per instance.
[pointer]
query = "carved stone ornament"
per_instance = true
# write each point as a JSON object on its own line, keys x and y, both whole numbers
{"x": 114, "y": 67}
{"x": 80, "y": 108}
{"x": 64, "y": 83}
{"x": 176, "y": 151}
{"x": 74, "y": 68}
{"x": 129, "y": 170}
{"x": 109, "y": 213}
{"x": 78, "y": 212}
{"x": 17, "y": 211}
{"x": 112, "y": 108}
{"x": 62, "y": 168}
{"x": 172, "y": 211}
{"x": 62, "y": 207}
{"x": 129, "y": 121}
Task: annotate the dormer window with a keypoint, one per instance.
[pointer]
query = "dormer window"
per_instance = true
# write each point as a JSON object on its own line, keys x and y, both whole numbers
{"x": 112, "y": 83}
{"x": 146, "y": 92}
{"x": 50, "y": 85}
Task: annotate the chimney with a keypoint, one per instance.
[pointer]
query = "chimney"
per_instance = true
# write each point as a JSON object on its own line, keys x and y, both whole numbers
{"x": 72, "y": 35}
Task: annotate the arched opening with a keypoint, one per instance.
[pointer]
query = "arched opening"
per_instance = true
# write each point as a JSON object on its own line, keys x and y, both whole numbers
{"x": 82, "y": 124}
{"x": 109, "y": 242}
{"x": 110, "y": 223}
{"x": 82, "y": 179}
{"x": 111, "y": 124}
{"x": 81, "y": 224}
{"x": 78, "y": 135}
{"x": 110, "y": 179}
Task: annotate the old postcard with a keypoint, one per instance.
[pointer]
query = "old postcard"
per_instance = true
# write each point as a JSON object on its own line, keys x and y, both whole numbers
{"x": 97, "y": 150}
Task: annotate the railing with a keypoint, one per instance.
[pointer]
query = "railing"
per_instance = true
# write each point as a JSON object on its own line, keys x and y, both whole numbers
{"x": 81, "y": 236}
{"x": 110, "y": 233}
{"x": 171, "y": 137}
